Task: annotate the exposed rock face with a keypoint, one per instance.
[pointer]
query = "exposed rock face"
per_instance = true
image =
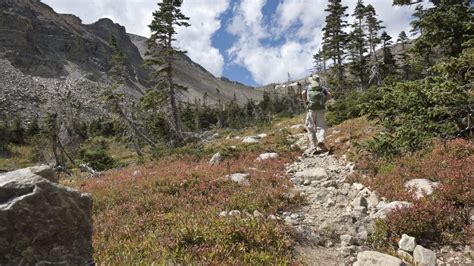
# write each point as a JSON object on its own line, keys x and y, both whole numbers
{"x": 42, "y": 221}
{"x": 48, "y": 55}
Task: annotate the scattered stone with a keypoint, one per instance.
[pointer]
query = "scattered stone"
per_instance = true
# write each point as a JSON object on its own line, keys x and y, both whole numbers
{"x": 405, "y": 255}
{"x": 216, "y": 159}
{"x": 42, "y": 221}
{"x": 251, "y": 140}
{"x": 407, "y": 243}
{"x": 346, "y": 240}
{"x": 257, "y": 214}
{"x": 424, "y": 257}
{"x": 421, "y": 187}
{"x": 385, "y": 208}
{"x": 359, "y": 202}
{"x": 262, "y": 136}
{"x": 312, "y": 174}
{"x": 299, "y": 126}
{"x": 358, "y": 186}
{"x": 267, "y": 156}
{"x": 272, "y": 217}
{"x": 223, "y": 214}
{"x": 307, "y": 182}
{"x": 137, "y": 173}
{"x": 296, "y": 180}
{"x": 294, "y": 216}
{"x": 373, "y": 200}
{"x": 240, "y": 178}
{"x": 368, "y": 258}
{"x": 235, "y": 213}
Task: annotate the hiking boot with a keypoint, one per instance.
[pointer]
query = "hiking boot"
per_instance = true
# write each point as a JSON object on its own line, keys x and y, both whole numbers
{"x": 323, "y": 147}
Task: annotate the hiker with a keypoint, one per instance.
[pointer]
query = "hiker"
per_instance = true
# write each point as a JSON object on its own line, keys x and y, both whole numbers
{"x": 315, "y": 95}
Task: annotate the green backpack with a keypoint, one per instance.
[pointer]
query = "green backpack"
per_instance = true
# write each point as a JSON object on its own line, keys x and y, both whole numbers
{"x": 316, "y": 98}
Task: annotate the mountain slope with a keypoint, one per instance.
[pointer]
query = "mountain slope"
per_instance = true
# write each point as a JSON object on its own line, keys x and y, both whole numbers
{"x": 47, "y": 58}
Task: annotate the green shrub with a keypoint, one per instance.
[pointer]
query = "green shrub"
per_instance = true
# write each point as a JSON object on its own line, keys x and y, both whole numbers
{"x": 98, "y": 159}
{"x": 414, "y": 112}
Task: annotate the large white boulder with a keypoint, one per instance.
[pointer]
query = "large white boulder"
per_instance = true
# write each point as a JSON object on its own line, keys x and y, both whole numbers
{"x": 43, "y": 222}
{"x": 407, "y": 243}
{"x": 267, "y": 156}
{"x": 374, "y": 258}
{"x": 421, "y": 187}
{"x": 424, "y": 256}
{"x": 216, "y": 159}
{"x": 251, "y": 140}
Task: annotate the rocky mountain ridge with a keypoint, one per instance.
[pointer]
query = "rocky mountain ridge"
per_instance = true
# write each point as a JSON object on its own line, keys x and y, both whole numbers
{"x": 46, "y": 57}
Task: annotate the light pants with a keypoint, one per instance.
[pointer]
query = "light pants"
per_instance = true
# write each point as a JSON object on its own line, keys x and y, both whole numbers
{"x": 316, "y": 125}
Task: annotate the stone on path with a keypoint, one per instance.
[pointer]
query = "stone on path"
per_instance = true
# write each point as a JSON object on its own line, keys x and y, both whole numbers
{"x": 421, "y": 187}
{"x": 240, "y": 178}
{"x": 407, "y": 243}
{"x": 267, "y": 156}
{"x": 369, "y": 258}
{"x": 312, "y": 174}
{"x": 43, "y": 222}
{"x": 424, "y": 257}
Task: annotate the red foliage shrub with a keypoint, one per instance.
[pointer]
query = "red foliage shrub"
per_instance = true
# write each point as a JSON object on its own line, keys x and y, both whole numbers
{"x": 443, "y": 216}
{"x": 169, "y": 213}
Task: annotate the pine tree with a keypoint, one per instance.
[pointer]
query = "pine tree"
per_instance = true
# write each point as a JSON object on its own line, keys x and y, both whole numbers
{"x": 448, "y": 25}
{"x": 373, "y": 26}
{"x": 318, "y": 61}
{"x": 163, "y": 30}
{"x": 389, "y": 63}
{"x": 403, "y": 39}
{"x": 334, "y": 37}
{"x": 358, "y": 45}
{"x": 404, "y": 58}
{"x": 115, "y": 100}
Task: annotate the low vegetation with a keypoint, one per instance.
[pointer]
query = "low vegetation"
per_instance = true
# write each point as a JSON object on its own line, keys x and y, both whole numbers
{"x": 168, "y": 212}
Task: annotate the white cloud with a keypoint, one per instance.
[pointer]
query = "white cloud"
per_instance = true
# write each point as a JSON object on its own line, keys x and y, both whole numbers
{"x": 205, "y": 20}
{"x": 298, "y": 23}
{"x": 136, "y": 15}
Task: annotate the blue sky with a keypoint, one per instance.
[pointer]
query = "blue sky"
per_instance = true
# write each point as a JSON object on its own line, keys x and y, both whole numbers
{"x": 255, "y": 42}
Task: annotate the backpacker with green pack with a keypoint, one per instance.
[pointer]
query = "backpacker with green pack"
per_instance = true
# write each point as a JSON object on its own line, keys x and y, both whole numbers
{"x": 316, "y": 97}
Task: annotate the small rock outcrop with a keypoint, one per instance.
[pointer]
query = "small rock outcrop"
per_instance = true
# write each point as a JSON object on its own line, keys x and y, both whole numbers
{"x": 424, "y": 257}
{"x": 369, "y": 258}
{"x": 43, "y": 222}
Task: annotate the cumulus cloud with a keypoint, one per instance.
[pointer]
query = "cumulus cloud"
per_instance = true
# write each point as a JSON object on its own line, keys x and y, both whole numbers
{"x": 299, "y": 23}
{"x": 205, "y": 20}
{"x": 136, "y": 15}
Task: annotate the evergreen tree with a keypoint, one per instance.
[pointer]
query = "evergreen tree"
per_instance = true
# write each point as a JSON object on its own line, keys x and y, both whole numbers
{"x": 373, "y": 26}
{"x": 163, "y": 30}
{"x": 358, "y": 45}
{"x": 404, "y": 58}
{"x": 115, "y": 99}
{"x": 33, "y": 127}
{"x": 318, "y": 61}
{"x": 334, "y": 37}
{"x": 449, "y": 25}
{"x": 403, "y": 40}
{"x": 389, "y": 63}
{"x": 18, "y": 131}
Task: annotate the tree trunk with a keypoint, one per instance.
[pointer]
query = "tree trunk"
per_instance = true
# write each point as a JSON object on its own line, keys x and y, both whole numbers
{"x": 172, "y": 97}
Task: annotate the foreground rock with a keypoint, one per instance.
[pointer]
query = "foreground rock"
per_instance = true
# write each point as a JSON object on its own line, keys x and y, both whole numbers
{"x": 407, "y": 243}
{"x": 267, "y": 156}
{"x": 216, "y": 159}
{"x": 43, "y": 222}
{"x": 424, "y": 256}
{"x": 367, "y": 258}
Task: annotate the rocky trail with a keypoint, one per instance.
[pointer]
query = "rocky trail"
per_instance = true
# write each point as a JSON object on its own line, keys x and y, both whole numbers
{"x": 338, "y": 217}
